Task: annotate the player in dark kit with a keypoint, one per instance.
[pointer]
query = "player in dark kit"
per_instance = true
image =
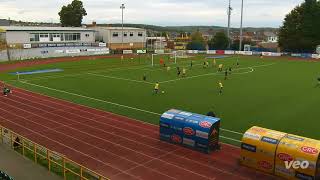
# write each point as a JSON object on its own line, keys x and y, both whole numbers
{"x": 178, "y": 71}
{"x": 211, "y": 114}
{"x": 226, "y": 74}
{"x": 6, "y": 91}
{"x": 230, "y": 70}
{"x": 144, "y": 77}
{"x": 318, "y": 85}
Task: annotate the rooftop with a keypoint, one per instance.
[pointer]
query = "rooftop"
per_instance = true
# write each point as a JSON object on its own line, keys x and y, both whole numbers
{"x": 116, "y": 28}
{"x": 270, "y": 34}
{"x": 36, "y": 28}
{"x": 4, "y": 22}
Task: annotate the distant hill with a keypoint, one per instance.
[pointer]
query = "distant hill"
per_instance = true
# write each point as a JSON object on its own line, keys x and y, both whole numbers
{"x": 187, "y": 28}
{"x": 177, "y": 29}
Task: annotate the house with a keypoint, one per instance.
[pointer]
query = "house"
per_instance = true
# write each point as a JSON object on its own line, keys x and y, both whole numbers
{"x": 118, "y": 38}
{"x": 271, "y": 37}
{"x": 269, "y": 46}
{"x": 156, "y": 42}
{"x": 180, "y": 43}
{"x": 4, "y": 22}
{"x": 207, "y": 35}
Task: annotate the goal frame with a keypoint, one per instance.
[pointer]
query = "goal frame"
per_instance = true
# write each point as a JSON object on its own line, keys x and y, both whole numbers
{"x": 173, "y": 53}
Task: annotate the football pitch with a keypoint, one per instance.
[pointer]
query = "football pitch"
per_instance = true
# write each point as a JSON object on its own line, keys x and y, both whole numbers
{"x": 279, "y": 94}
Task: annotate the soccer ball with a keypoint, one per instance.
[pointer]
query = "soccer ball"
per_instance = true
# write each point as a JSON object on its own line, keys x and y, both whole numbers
{"x": 162, "y": 92}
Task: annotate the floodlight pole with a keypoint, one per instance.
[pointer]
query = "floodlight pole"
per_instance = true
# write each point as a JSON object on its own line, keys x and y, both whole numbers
{"x": 241, "y": 33}
{"x": 229, "y": 20}
{"x": 122, "y": 7}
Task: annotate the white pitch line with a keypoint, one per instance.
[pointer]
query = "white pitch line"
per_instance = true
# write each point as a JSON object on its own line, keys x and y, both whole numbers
{"x": 232, "y": 132}
{"x": 86, "y": 97}
{"x": 108, "y": 102}
{"x": 124, "y": 79}
{"x": 83, "y": 73}
{"x": 210, "y": 74}
{"x": 231, "y": 139}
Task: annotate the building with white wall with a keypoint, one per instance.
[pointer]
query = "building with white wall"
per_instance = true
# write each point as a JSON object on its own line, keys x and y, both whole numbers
{"x": 271, "y": 37}
{"x": 27, "y": 42}
{"x": 129, "y": 38}
{"x": 19, "y": 35}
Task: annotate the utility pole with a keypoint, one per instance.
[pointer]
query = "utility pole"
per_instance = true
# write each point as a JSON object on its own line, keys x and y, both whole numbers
{"x": 241, "y": 33}
{"x": 229, "y": 21}
{"x": 122, "y": 7}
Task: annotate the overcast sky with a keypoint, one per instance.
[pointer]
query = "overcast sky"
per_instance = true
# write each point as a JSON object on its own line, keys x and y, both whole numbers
{"x": 257, "y": 13}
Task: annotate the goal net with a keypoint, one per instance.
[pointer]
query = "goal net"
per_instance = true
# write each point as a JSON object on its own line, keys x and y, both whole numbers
{"x": 182, "y": 54}
{"x": 164, "y": 59}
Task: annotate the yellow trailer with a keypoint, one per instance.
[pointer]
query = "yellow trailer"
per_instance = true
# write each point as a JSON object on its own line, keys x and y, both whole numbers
{"x": 258, "y": 148}
{"x": 298, "y": 158}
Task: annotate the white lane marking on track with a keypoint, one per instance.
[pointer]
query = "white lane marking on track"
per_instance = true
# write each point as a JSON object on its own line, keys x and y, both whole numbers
{"x": 107, "y": 164}
{"x": 108, "y": 102}
{"x": 116, "y": 135}
{"x": 99, "y": 122}
{"x": 116, "y": 144}
{"x": 102, "y": 149}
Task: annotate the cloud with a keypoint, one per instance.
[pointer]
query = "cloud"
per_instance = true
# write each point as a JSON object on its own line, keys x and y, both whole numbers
{"x": 160, "y": 12}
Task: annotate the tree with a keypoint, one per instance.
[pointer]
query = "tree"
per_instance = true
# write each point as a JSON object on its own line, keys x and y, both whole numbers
{"x": 219, "y": 41}
{"x": 197, "y": 42}
{"x": 72, "y": 14}
{"x": 301, "y": 28}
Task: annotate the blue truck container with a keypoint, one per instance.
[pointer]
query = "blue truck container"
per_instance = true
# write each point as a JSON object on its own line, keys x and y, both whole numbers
{"x": 191, "y": 130}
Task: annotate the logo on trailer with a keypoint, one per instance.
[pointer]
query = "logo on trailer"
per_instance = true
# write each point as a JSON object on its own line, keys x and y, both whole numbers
{"x": 249, "y": 147}
{"x": 285, "y": 157}
{"x": 205, "y": 124}
{"x": 214, "y": 132}
{"x": 297, "y": 164}
{"x": 309, "y": 150}
{"x": 251, "y": 136}
{"x": 259, "y": 130}
{"x": 265, "y": 165}
{"x": 188, "y": 131}
{"x": 295, "y": 138}
{"x": 269, "y": 140}
{"x": 303, "y": 176}
{"x": 175, "y": 138}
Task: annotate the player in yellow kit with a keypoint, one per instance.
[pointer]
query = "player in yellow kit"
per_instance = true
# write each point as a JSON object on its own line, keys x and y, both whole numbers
{"x": 220, "y": 67}
{"x": 184, "y": 71}
{"x": 207, "y": 64}
{"x": 220, "y": 87}
{"x": 156, "y": 88}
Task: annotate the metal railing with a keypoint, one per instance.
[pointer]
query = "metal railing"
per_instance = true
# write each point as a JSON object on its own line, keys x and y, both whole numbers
{"x": 55, "y": 162}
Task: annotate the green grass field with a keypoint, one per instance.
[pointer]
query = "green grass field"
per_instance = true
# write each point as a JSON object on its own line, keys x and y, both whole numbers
{"x": 273, "y": 93}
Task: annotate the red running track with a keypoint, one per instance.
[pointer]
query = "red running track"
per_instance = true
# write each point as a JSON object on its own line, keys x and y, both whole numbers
{"x": 113, "y": 145}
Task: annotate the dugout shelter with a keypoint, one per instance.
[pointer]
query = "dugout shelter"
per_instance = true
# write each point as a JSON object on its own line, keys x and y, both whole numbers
{"x": 191, "y": 130}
